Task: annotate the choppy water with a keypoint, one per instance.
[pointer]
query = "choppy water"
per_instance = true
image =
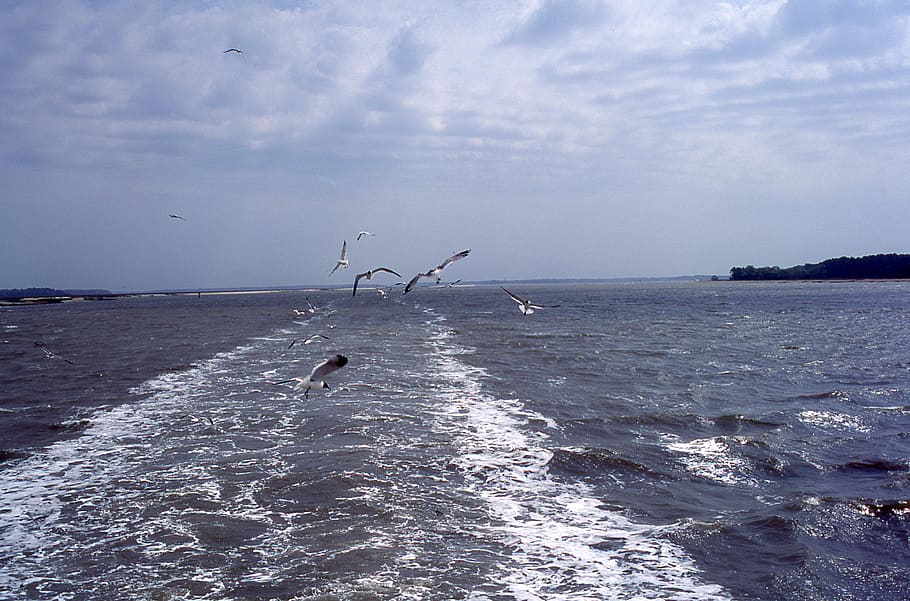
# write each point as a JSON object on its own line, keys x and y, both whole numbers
{"x": 641, "y": 441}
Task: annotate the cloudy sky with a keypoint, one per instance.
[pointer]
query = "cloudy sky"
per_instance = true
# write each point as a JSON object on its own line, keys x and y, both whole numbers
{"x": 554, "y": 138}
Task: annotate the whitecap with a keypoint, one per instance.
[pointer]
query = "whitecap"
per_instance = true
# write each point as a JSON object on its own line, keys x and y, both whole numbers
{"x": 563, "y": 543}
{"x": 714, "y": 459}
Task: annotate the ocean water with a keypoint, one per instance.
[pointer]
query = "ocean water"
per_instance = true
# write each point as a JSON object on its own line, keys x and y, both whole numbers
{"x": 680, "y": 441}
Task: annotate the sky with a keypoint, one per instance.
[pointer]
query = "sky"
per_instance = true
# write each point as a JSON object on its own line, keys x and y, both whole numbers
{"x": 556, "y": 139}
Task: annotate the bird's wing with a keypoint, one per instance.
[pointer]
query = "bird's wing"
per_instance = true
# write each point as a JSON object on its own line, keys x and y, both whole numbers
{"x": 516, "y": 298}
{"x": 293, "y": 342}
{"x": 327, "y": 367}
{"x": 344, "y": 251}
{"x": 453, "y": 258}
{"x": 387, "y": 270}
{"x": 314, "y": 337}
{"x": 413, "y": 282}
{"x": 356, "y": 280}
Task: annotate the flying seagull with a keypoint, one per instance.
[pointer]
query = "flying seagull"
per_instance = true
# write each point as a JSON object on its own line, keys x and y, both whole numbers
{"x": 526, "y": 306}
{"x": 49, "y": 353}
{"x": 343, "y": 260}
{"x": 314, "y": 380}
{"x": 237, "y": 50}
{"x": 309, "y": 340}
{"x": 175, "y": 216}
{"x": 369, "y": 275}
{"x": 363, "y": 233}
{"x": 310, "y": 308}
{"x": 436, "y": 271}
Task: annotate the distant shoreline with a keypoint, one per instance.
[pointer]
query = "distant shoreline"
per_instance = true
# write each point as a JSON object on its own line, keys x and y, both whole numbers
{"x": 49, "y": 300}
{"x": 63, "y": 297}
{"x": 43, "y": 296}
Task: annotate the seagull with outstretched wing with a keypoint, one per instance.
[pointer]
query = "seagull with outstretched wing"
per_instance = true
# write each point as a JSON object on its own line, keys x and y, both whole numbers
{"x": 436, "y": 271}
{"x": 369, "y": 275}
{"x": 315, "y": 379}
{"x": 526, "y": 306}
{"x": 343, "y": 259}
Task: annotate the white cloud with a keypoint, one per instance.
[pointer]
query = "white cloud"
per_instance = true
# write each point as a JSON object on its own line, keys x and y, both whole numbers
{"x": 531, "y": 106}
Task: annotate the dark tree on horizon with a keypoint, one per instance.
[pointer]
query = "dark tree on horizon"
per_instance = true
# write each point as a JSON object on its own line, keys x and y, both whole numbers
{"x": 878, "y": 267}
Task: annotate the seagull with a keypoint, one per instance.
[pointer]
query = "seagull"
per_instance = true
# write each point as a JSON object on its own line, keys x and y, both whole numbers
{"x": 343, "y": 260}
{"x": 309, "y": 340}
{"x": 314, "y": 380}
{"x": 237, "y": 50}
{"x": 363, "y": 233}
{"x": 369, "y": 275}
{"x": 49, "y": 353}
{"x": 197, "y": 419}
{"x": 175, "y": 216}
{"x": 310, "y": 308}
{"x": 436, "y": 271}
{"x": 526, "y": 306}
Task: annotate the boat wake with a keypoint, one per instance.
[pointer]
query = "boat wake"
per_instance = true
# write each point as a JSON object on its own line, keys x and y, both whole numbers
{"x": 559, "y": 541}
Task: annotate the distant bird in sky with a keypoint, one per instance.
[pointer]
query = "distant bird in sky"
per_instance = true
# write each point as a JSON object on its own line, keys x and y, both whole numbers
{"x": 49, "y": 353}
{"x": 369, "y": 275}
{"x": 363, "y": 233}
{"x": 315, "y": 379}
{"x": 175, "y": 216}
{"x": 309, "y": 340}
{"x": 237, "y": 50}
{"x": 526, "y": 306}
{"x": 343, "y": 260}
{"x": 436, "y": 271}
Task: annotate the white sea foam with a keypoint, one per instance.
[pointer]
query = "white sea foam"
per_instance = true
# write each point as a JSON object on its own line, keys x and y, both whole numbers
{"x": 563, "y": 544}
{"x": 715, "y": 459}
{"x": 87, "y": 494}
{"x": 834, "y": 421}
{"x": 145, "y": 480}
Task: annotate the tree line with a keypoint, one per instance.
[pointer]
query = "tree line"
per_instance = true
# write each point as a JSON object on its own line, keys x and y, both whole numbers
{"x": 884, "y": 267}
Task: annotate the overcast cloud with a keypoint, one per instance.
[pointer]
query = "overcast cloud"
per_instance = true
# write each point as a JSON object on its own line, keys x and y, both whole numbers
{"x": 554, "y": 138}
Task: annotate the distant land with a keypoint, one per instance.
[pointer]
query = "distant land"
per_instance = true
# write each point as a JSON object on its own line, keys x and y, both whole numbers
{"x": 31, "y": 296}
{"x": 872, "y": 267}
{"x": 50, "y": 294}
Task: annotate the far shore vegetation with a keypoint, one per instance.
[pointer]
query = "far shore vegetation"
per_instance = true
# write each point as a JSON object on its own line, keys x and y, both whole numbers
{"x": 871, "y": 267}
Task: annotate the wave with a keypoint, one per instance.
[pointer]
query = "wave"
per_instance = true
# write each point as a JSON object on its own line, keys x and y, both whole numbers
{"x": 561, "y": 542}
{"x": 588, "y": 460}
{"x": 115, "y": 491}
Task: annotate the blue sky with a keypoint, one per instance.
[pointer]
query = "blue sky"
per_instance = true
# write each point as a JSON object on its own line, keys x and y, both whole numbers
{"x": 554, "y": 139}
